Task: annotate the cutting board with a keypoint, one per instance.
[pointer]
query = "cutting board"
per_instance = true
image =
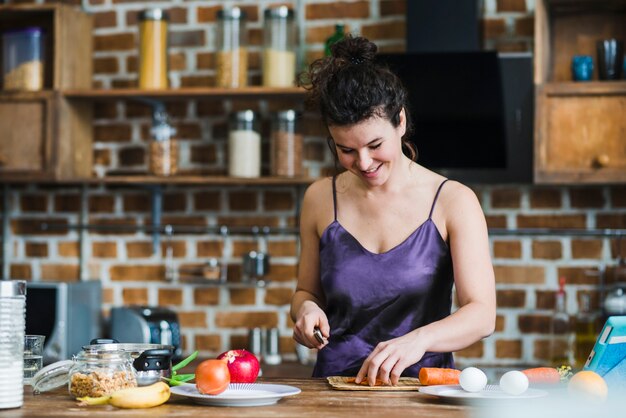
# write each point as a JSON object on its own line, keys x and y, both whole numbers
{"x": 345, "y": 383}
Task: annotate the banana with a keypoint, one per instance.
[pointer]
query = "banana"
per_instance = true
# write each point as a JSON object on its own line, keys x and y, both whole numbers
{"x": 139, "y": 397}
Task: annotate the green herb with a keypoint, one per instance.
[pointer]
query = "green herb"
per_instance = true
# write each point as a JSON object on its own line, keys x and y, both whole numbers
{"x": 185, "y": 362}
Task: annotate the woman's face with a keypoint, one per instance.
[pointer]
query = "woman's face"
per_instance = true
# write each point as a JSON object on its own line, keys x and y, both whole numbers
{"x": 369, "y": 149}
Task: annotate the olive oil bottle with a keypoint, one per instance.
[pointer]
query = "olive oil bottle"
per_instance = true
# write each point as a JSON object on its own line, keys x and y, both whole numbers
{"x": 585, "y": 331}
{"x": 561, "y": 336}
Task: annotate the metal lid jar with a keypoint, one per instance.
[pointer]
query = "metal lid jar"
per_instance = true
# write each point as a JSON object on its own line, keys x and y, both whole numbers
{"x": 244, "y": 145}
{"x": 279, "y": 44}
{"x": 232, "y": 48}
{"x": 286, "y": 145}
{"x": 153, "y": 49}
{"x": 100, "y": 372}
{"x": 22, "y": 59}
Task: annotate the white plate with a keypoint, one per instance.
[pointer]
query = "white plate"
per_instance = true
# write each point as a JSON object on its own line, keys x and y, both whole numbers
{"x": 490, "y": 392}
{"x": 239, "y": 394}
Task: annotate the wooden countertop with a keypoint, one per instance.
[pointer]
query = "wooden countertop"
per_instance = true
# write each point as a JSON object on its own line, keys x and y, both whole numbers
{"x": 317, "y": 399}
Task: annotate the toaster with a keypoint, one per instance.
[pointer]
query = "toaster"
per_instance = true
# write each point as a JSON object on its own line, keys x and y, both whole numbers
{"x": 146, "y": 325}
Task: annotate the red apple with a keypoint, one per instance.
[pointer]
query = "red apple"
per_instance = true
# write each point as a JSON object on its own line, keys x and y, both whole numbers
{"x": 242, "y": 364}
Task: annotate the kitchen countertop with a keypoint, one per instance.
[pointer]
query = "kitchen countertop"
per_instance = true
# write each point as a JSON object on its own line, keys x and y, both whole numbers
{"x": 317, "y": 399}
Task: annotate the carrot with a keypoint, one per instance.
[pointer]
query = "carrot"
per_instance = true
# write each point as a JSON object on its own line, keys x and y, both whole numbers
{"x": 439, "y": 376}
{"x": 543, "y": 375}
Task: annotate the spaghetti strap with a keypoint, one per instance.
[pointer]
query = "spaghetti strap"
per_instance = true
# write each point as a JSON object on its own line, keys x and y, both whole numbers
{"x": 335, "y": 197}
{"x": 430, "y": 215}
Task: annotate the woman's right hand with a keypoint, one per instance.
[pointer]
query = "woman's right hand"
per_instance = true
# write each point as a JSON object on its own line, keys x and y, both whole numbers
{"x": 310, "y": 317}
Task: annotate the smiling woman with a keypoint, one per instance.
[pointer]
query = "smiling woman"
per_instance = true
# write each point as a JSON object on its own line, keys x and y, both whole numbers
{"x": 384, "y": 242}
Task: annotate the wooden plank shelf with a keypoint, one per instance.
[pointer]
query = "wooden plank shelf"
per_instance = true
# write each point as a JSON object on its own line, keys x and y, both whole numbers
{"x": 590, "y": 88}
{"x": 209, "y": 93}
{"x": 156, "y": 180}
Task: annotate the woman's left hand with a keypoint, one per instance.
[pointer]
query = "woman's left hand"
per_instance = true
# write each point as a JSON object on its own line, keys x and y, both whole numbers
{"x": 389, "y": 359}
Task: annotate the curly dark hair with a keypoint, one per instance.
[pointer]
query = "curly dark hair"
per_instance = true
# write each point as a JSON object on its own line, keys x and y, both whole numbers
{"x": 349, "y": 87}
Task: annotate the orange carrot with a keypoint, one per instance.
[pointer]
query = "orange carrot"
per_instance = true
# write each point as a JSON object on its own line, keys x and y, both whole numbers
{"x": 439, "y": 376}
{"x": 542, "y": 375}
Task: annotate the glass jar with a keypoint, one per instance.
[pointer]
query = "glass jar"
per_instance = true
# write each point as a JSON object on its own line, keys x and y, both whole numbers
{"x": 232, "y": 51}
{"x": 279, "y": 43}
{"x": 163, "y": 148}
{"x": 101, "y": 372}
{"x": 153, "y": 48}
{"x": 244, "y": 146}
{"x": 22, "y": 59}
{"x": 12, "y": 325}
{"x": 286, "y": 145}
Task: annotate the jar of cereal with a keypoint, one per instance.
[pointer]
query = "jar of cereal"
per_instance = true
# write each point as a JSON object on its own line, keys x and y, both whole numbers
{"x": 232, "y": 51}
{"x": 97, "y": 373}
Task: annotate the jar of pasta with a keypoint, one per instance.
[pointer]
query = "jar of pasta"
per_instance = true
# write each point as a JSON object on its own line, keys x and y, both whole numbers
{"x": 153, "y": 67}
{"x": 97, "y": 373}
{"x": 244, "y": 145}
{"x": 285, "y": 145}
{"x": 22, "y": 59}
{"x": 279, "y": 42}
{"x": 163, "y": 148}
{"x": 232, "y": 52}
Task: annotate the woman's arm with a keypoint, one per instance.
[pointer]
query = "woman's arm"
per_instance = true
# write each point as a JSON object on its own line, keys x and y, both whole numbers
{"x": 308, "y": 301}
{"x": 459, "y": 211}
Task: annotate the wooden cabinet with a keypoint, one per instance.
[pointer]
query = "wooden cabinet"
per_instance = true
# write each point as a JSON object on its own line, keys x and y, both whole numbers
{"x": 580, "y": 127}
{"x": 46, "y": 136}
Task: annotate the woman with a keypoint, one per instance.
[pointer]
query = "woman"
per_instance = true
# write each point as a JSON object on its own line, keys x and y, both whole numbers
{"x": 383, "y": 242}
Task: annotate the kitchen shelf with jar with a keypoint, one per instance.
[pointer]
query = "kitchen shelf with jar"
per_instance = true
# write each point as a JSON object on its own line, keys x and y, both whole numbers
{"x": 579, "y": 125}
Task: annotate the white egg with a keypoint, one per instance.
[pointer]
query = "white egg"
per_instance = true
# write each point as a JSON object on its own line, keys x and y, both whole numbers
{"x": 514, "y": 382}
{"x": 473, "y": 379}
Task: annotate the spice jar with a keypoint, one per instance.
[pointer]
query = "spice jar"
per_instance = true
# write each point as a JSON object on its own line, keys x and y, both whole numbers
{"x": 279, "y": 40}
{"x": 286, "y": 145}
{"x": 22, "y": 58}
{"x": 232, "y": 51}
{"x": 101, "y": 372}
{"x": 244, "y": 146}
{"x": 153, "y": 49}
{"x": 163, "y": 148}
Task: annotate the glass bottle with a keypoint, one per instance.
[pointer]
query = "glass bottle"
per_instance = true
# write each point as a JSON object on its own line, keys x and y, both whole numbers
{"x": 286, "y": 145}
{"x": 279, "y": 41}
{"x": 22, "y": 59}
{"x": 12, "y": 326}
{"x": 337, "y": 36}
{"x": 244, "y": 146}
{"x": 232, "y": 51}
{"x": 163, "y": 148}
{"x": 153, "y": 59}
{"x": 100, "y": 372}
{"x": 585, "y": 330}
{"x": 560, "y": 331}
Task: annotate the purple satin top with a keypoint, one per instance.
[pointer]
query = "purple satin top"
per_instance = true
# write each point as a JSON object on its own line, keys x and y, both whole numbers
{"x": 371, "y": 298}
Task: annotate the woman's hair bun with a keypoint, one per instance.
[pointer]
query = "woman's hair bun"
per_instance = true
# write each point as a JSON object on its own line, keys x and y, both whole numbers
{"x": 355, "y": 50}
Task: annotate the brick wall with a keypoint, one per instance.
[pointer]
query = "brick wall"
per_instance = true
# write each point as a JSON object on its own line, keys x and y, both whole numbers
{"x": 215, "y": 318}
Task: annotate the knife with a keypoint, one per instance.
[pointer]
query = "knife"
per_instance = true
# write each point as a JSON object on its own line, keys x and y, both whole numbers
{"x": 318, "y": 335}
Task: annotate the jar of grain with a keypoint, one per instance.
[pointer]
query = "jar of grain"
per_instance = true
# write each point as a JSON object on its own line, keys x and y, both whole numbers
{"x": 285, "y": 145}
{"x": 163, "y": 148}
{"x": 244, "y": 145}
{"x": 279, "y": 43}
{"x": 22, "y": 59}
{"x": 97, "y": 373}
{"x": 232, "y": 52}
{"x": 153, "y": 58}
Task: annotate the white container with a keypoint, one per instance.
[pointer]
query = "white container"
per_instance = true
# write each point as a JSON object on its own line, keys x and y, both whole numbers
{"x": 12, "y": 326}
{"x": 244, "y": 146}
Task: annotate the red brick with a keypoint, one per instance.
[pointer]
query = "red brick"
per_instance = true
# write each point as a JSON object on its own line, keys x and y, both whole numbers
{"x": 36, "y": 249}
{"x": 105, "y": 65}
{"x": 511, "y": 298}
{"x": 519, "y": 274}
{"x": 550, "y": 250}
{"x": 137, "y": 273}
{"x": 525, "y": 26}
{"x": 248, "y": 319}
{"x": 509, "y": 349}
{"x": 171, "y": 297}
{"x": 174, "y": 202}
{"x": 187, "y": 38}
{"x": 212, "y": 343}
{"x": 245, "y": 296}
{"x": 278, "y": 201}
{"x": 282, "y": 272}
{"x": 587, "y": 197}
{"x": 205, "y": 60}
{"x": 114, "y": 42}
{"x": 203, "y": 154}
{"x": 105, "y": 19}
{"x": 611, "y": 220}
{"x": 248, "y": 221}
{"x": 112, "y": 133}
{"x": 20, "y": 271}
{"x": 534, "y": 324}
{"x": 496, "y": 221}
{"x": 204, "y": 296}
{"x": 192, "y": 319}
{"x": 177, "y": 62}
{"x": 179, "y": 248}
{"x": 104, "y": 249}
{"x": 511, "y": 6}
{"x": 135, "y": 296}
{"x": 618, "y": 196}
{"x": 136, "y": 203}
{"x": 138, "y": 249}
{"x": 209, "y": 248}
{"x": 61, "y": 272}
{"x": 319, "y": 34}
{"x": 543, "y": 198}
{"x": 33, "y": 203}
{"x": 338, "y": 10}
{"x": 494, "y": 28}
{"x": 207, "y": 201}
{"x": 101, "y": 204}
{"x": 68, "y": 249}
{"x": 545, "y": 299}
{"x": 551, "y": 221}
{"x": 131, "y": 156}
{"x": 541, "y": 349}
{"x": 505, "y": 198}
{"x": 243, "y": 247}
{"x": 500, "y": 323}
{"x": 278, "y": 296}
{"x": 618, "y": 248}
{"x": 587, "y": 248}
{"x": 507, "y": 249}
{"x": 392, "y": 7}
{"x": 104, "y": 110}
{"x": 107, "y": 296}
{"x": 67, "y": 203}
{"x": 208, "y": 14}
{"x": 475, "y": 350}
{"x": 387, "y": 30}
{"x": 579, "y": 275}
{"x": 197, "y": 81}
{"x": 282, "y": 248}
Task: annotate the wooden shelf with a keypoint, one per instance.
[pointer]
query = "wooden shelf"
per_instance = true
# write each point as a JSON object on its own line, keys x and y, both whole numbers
{"x": 577, "y": 6}
{"x": 208, "y": 93}
{"x": 591, "y": 88}
{"x": 154, "y": 180}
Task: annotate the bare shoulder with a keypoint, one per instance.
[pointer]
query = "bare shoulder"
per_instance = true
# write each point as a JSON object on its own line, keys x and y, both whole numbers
{"x": 319, "y": 190}
{"x": 458, "y": 200}
{"x": 317, "y": 205}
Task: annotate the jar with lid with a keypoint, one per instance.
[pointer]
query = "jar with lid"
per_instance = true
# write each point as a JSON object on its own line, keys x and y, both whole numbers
{"x": 232, "y": 52}
{"x": 244, "y": 145}
{"x": 12, "y": 325}
{"x": 22, "y": 59}
{"x": 153, "y": 49}
{"x": 163, "y": 148}
{"x": 279, "y": 42}
{"x": 286, "y": 145}
{"x": 101, "y": 372}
